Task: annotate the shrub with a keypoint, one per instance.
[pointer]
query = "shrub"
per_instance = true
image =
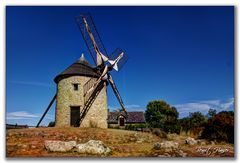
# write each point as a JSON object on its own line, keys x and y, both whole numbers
{"x": 51, "y": 124}
{"x": 193, "y": 124}
{"x": 159, "y": 132}
{"x": 135, "y": 127}
{"x": 220, "y": 127}
{"x": 113, "y": 126}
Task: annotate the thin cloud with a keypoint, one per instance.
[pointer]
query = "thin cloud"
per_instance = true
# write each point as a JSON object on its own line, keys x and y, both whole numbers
{"x": 227, "y": 105}
{"x": 21, "y": 115}
{"x": 204, "y": 106}
{"x": 32, "y": 83}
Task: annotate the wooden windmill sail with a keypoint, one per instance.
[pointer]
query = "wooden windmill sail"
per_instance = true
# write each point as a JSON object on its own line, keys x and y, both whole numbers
{"x": 103, "y": 62}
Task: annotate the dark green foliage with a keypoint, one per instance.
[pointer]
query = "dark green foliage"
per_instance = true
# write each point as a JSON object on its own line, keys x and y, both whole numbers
{"x": 159, "y": 114}
{"x": 193, "y": 123}
{"x": 211, "y": 113}
{"x": 185, "y": 124}
{"x": 220, "y": 127}
{"x": 136, "y": 127}
{"x": 51, "y": 124}
{"x": 113, "y": 126}
{"x": 197, "y": 119}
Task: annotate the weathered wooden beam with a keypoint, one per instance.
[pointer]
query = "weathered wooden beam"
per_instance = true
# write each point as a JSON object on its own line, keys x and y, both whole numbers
{"x": 49, "y": 106}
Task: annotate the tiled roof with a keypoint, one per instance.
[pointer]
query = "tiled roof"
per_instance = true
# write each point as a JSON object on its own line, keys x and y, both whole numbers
{"x": 133, "y": 117}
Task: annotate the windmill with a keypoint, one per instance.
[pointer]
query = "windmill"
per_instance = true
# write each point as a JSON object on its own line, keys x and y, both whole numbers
{"x": 104, "y": 64}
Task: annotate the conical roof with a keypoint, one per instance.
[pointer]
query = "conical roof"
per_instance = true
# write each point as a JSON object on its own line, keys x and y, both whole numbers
{"x": 80, "y": 68}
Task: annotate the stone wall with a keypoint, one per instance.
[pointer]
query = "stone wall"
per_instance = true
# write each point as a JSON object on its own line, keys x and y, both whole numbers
{"x": 67, "y": 97}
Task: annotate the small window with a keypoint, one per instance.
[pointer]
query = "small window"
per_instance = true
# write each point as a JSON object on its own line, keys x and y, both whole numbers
{"x": 75, "y": 87}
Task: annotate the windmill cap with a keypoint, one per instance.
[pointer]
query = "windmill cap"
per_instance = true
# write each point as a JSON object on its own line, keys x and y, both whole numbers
{"x": 79, "y": 68}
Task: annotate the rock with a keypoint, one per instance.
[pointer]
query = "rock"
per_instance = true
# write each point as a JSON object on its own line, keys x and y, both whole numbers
{"x": 33, "y": 147}
{"x": 170, "y": 149}
{"x": 181, "y": 153}
{"x": 167, "y": 146}
{"x": 59, "y": 146}
{"x": 190, "y": 141}
{"x": 93, "y": 147}
{"x": 157, "y": 146}
{"x": 24, "y": 146}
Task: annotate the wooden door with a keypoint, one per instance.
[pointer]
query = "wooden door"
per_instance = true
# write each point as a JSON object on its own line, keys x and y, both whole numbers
{"x": 75, "y": 116}
{"x": 121, "y": 121}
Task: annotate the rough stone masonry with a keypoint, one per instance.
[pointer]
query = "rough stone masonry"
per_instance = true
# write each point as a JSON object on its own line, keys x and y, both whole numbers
{"x": 79, "y": 73}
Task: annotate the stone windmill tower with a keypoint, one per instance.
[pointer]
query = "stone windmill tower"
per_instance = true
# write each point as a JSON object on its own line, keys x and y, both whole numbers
{"x": 70, "y": 97}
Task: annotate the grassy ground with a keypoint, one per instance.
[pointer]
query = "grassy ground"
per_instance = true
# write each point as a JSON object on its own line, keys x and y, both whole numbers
{"x": 30, "y": 143}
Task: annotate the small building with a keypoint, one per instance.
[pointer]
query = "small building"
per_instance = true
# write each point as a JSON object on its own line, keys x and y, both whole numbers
{"x": 120, "y": 119}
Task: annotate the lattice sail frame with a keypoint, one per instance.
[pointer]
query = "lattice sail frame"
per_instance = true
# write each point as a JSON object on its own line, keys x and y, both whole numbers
{"x": 86, "y": 37}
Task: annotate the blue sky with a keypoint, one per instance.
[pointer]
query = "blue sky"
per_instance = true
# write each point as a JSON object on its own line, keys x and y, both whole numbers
{"x": 183, "y": 55}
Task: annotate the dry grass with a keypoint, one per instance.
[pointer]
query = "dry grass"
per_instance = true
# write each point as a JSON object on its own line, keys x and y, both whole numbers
{"x": 30, "y": 142}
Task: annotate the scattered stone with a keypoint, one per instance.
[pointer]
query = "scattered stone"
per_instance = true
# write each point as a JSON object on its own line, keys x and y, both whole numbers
{"x": 170, "y": 149}
{"x": 59, "y": 146}
{"x": 181, "y": 153}
{"x": 167, "y": 146}
{"x": 24, "y": 146}
{"x": 33, "y": 147}
{"x": 93, "y": 147}
{"x": 190, "y": 141}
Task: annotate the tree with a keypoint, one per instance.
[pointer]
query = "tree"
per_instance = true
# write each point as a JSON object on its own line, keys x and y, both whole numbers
{"x": 159, "y": 114}
{"x": 211, "y": 113}
{"x": 197, "y": 119}
{"x": 194, "y": 123}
